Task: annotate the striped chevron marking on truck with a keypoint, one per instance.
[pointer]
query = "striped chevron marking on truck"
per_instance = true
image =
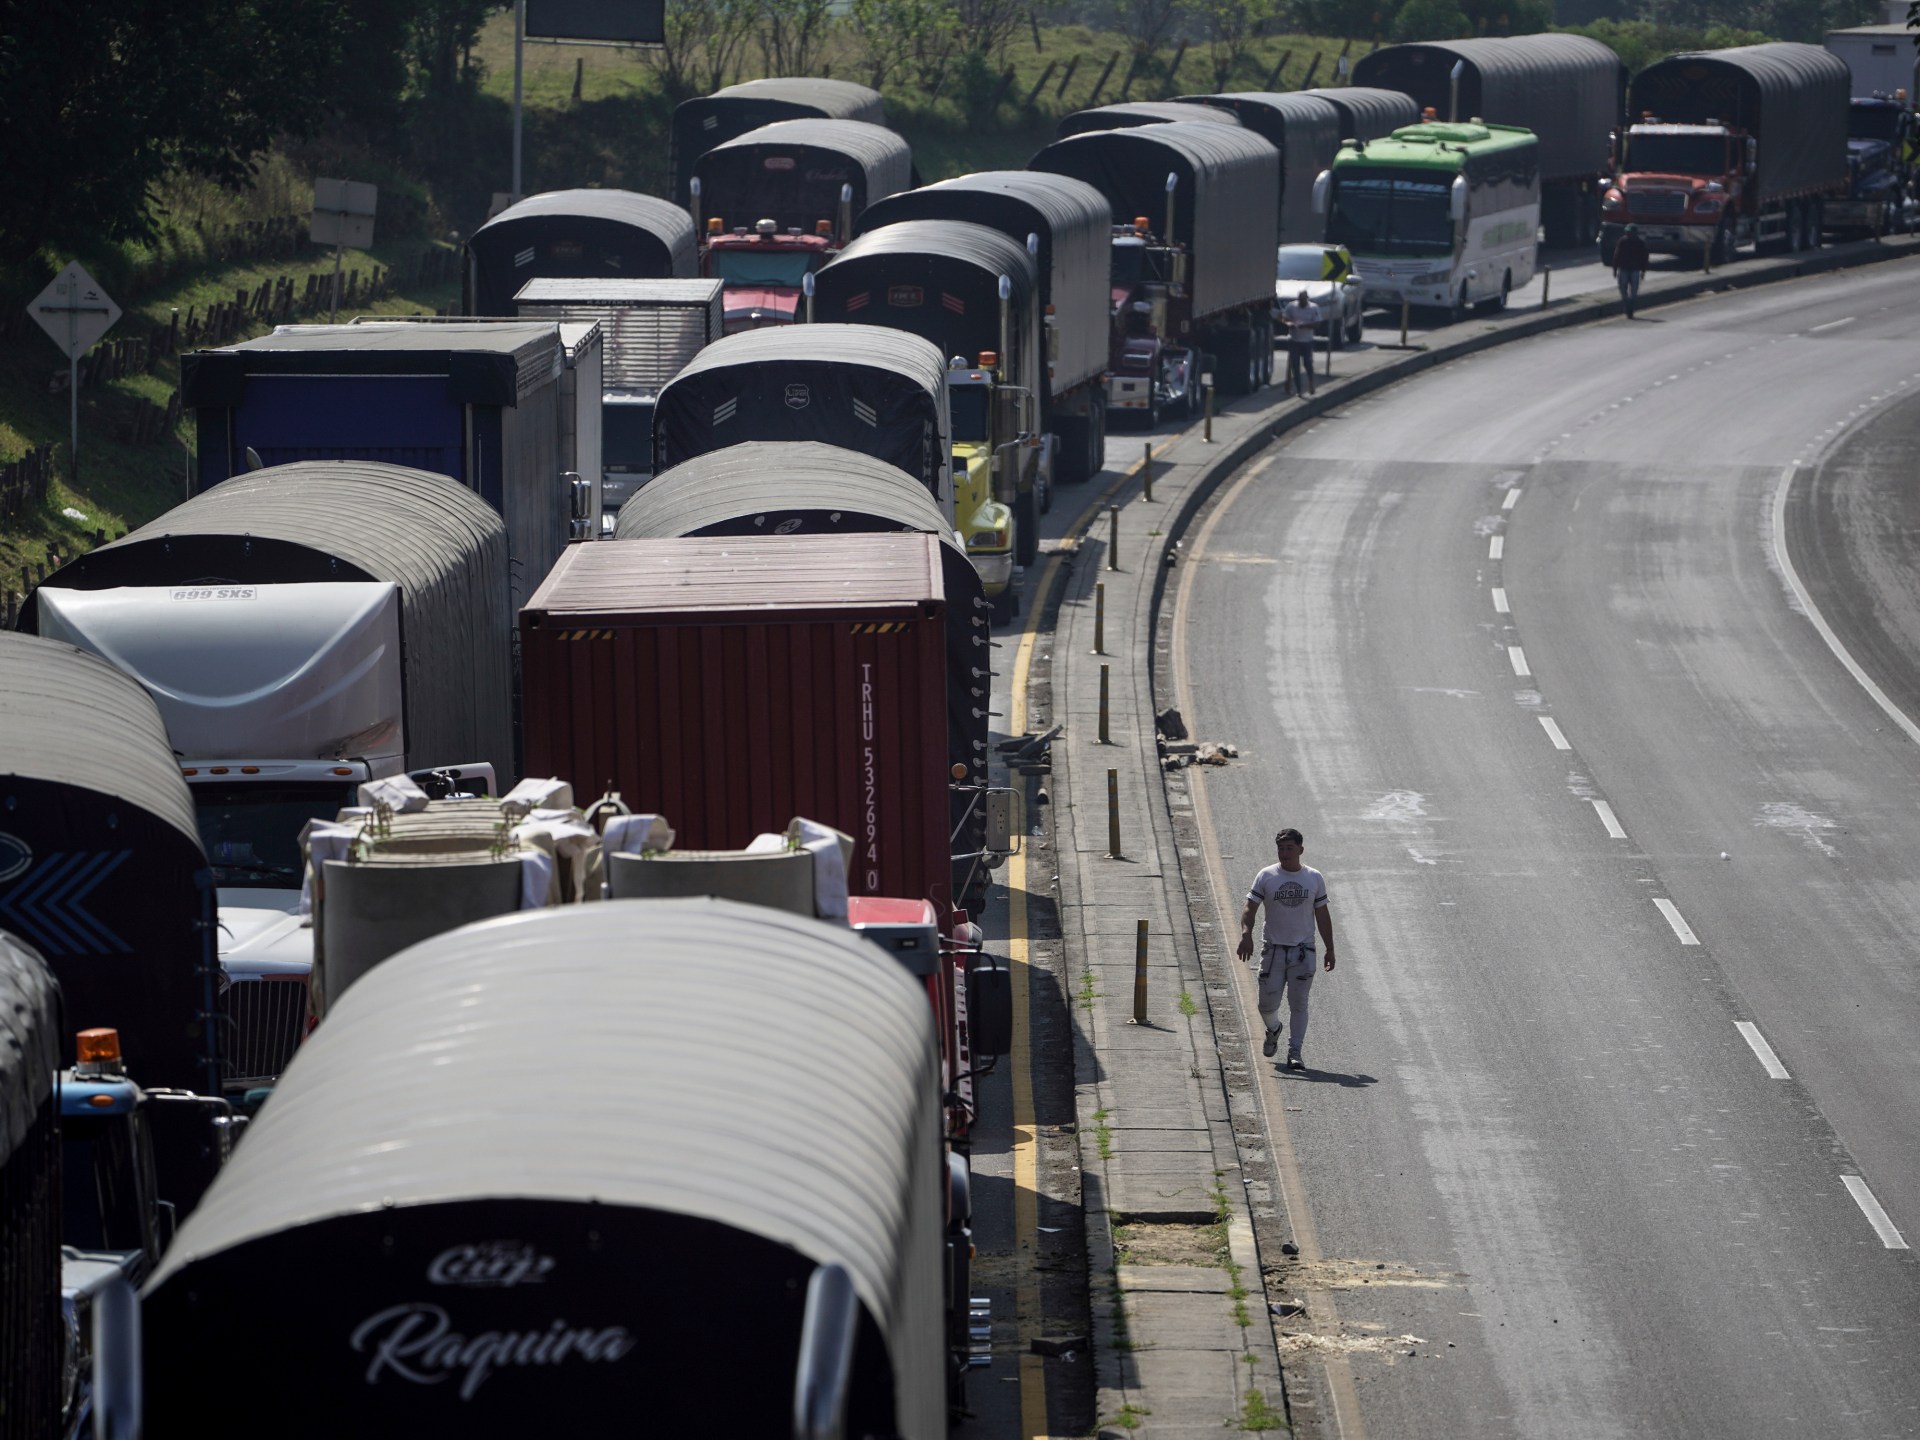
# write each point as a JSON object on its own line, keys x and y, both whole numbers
{"x": 586, "y": 634}
{"x": 878, "y": 627}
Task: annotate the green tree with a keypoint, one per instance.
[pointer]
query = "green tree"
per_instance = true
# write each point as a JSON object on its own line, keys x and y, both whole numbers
{"x": 1231, "y": 26}
{"x": 1431, "y": 20}
{"x": 704, "y": 39}
{"x": 792, "y": 34}
{"x": 99, "y": 99}
{"x": 914, "y": 38}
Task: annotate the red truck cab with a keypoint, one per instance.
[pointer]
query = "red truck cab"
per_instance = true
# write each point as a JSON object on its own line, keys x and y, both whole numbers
{"x": 763, "y": 269}
{"x": 1676, "y": 183}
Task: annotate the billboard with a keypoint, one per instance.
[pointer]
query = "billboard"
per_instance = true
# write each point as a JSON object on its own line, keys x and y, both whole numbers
{"x": 629, "y": 22}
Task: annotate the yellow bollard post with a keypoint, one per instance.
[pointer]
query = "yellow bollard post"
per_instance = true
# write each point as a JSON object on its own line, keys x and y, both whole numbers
{"x": 1113, "y": 537}
{"x": 1099, "y": 617}
{"x": 1113, "y": 814}
{"x": 1106, "y": 738}
{"x": 1140, "y": 975}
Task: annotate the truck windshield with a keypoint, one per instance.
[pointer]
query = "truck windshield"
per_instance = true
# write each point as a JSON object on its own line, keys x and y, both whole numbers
{"x": 1386, "y": 212}
{"x": 1134, "y": 263}
{"x": 626, "y": 438}
{"x": 761, "y": 267}
{"x": 967, "y": 409}
{"x": 251, "y": 833}
{"x": 1873, "y": 120}
{"x": 1677, "y": 155}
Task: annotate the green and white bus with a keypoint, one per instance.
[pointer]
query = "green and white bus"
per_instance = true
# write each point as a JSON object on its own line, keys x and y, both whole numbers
{"x": 1441, "y": 213}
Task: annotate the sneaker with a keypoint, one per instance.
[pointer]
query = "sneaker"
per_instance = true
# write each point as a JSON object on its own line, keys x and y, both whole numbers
{"x": 1273, "y": 1043}
{"x": 1294, "y": 1062}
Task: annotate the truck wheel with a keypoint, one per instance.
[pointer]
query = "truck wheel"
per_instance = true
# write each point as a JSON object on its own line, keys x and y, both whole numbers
{"x": 1026, "y": 527}
{"x": 1461, "y": 305}
{"x": 1609, "y": 237}
{"x": 1816, "y": 224}
{"x": 1723, "y": 244}
{"x": 1230, "y": 365}
{"x": 1796, "y": 228}
{"x": 1097, "y": 456}
{"x": 1070, "y": 448}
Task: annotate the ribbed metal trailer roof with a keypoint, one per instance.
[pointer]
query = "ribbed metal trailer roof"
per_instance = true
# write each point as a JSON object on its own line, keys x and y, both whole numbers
{"x": 318, "y": 520}
{"x": 647, "y": 325}
{"x": 654, "y": 238}
{"x": 1074, "y": 225}
{"x": 1305, "y": 129}
{"x": 497, "y": 362}
{"x": 1128, "y": 113}
{"x": 70, "y": 718}
{"x": 761, "y": 477}
{"x": 1226, "y": 205}
{"x": 1567, "y": 89}
{"x": 443, "y": 1077}
{"x": 29, "y": 1040}
{"x": 1367, "y": 113}
{"x": 729, "y": 180}
{"x": 709, "y": 120}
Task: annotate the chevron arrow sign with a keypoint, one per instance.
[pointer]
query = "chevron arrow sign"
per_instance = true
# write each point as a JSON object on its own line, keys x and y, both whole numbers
{"x": 48, "y": 908}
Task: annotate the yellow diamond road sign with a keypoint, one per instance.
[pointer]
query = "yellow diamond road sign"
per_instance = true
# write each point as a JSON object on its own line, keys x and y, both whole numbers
{"x": 74, "y": 311}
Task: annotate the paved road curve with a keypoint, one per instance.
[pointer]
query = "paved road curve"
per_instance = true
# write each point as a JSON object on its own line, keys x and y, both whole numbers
{"x": 1513, "y": 644}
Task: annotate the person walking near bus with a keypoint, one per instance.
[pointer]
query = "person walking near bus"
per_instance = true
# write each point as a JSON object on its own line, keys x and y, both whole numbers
{"x": 1296, "y": 899}
{"x": 1629, "y": 264}
{"x": 1300, "y": 317}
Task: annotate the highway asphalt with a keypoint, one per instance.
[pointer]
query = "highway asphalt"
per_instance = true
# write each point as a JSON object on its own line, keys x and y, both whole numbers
{"x": 1616, "y": 840}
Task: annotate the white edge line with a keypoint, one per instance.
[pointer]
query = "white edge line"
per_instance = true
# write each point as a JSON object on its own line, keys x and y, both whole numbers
{"x": 1877, "y": 1217}
{"x": 1500, "y": 605}
{"x": 1615, "y": 830}
{"x": 1879, "y": 696}
{"x": 1513, "y": 499}
{"x": 1552, "y": 727}
{"x": 1496, "y": 547}
{"x": 1519, "y": 658}
{"x": 1757, "y": 1042}
{"x": 1674, "y": 918}
{"x": 1833, "y": 324}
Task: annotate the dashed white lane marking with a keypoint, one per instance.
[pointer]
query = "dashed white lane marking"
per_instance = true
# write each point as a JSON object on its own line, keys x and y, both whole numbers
{"x": 1833, "y": 324}
{"x": 1513, "y": 499}
{"x": 1500, "y": 602}
{"x": 1496, "y": 547}
{"x": 1769, "y": 1061}
{"x": 1519, "y": 658}
{"x": 1677, "y": 921}
{"x": 1877, "y": 1217}
{"x": 1785, "y": 561}
{"x": 1615, "y": 830}
{"x": 1552, "y": 727}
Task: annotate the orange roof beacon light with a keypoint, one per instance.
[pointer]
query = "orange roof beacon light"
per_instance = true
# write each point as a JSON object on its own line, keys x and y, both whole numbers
{"x": 97, "y": 1052}
{"x": 823, "y": 227}
{"x": 1140, "y": 223}
{"x": 989, "y": 359}
{"x": 715, "y": 225}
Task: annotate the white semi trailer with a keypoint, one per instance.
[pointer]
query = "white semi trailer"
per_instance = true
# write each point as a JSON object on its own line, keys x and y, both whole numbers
{"x": 302, "y": 628}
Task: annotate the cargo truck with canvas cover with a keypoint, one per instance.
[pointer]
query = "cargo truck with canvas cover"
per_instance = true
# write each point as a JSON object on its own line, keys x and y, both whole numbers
{"x": 1306, "y": 130}
{"x": 103, "y": 874}
{"x": 1366, "y": 112}
{"x": 1069, "y": 220}
{"x": 650, "y": 329}
{"x": 1194, "y": 210}
{"x": 709, "y": 120}
{"x": 483, "y": 1254}
{"x": 1438, "y": 215}
{"x": 881, "y": 392}
{"x": 1567, "y": 89}
{"x": 31, "y": 1333}
{"x": 777, "y": 203}
{"x": 975, "y": 294}
{"x": 1126, "y": 114}
{"x": 808, "y": 488}
{"x": 478, "y": 402}
{"x": 1731, "y": 148}
{"x": 580, "y": 234}
{"x": 302, "y": 629}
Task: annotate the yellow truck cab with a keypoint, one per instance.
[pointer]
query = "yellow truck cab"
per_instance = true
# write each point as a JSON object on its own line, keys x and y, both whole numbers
{"x": 982, "y": 510}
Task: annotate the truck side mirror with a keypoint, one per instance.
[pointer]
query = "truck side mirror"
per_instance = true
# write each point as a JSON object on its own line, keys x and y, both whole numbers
{"x": 579, "y": 505}
{"x": 827, "y": 1329}
{"x": 1457, "y": 199}
{"x": 1002, "y": 814}
{"x": 1322, "y": 183}
{"x": 989, "y": 1005}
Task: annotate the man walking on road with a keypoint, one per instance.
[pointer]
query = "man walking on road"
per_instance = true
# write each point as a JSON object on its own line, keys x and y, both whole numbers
{"x": 1629, "y": 264}
{"x": 1296, "y": 899}
{"x": 1300, "y": 317}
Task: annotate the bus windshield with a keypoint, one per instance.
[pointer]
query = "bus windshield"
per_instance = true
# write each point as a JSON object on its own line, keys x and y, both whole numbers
{"x": 1677, "y": 155}
{"x": 1391, "y": 212}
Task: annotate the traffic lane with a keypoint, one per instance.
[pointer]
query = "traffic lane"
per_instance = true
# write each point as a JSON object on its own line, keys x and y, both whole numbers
{"x": 1850, "y": 520}
{"x": 1515, "y": 994}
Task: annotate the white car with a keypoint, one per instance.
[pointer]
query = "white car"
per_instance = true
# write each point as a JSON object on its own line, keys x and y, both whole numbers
{"x": 1308, "y": 268}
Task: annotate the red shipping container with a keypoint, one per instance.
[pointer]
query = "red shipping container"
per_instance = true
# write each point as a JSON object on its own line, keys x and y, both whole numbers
{"x": 730, "y": 684}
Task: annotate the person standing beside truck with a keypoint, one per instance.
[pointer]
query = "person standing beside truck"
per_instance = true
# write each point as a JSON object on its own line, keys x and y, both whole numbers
{"x": 1629, "y": 264}
{"x": 1300, "y": 318}
{"x": 1295, "y": 896}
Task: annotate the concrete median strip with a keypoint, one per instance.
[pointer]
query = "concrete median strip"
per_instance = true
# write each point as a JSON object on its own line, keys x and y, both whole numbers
{"x": 1190, "y": 1350}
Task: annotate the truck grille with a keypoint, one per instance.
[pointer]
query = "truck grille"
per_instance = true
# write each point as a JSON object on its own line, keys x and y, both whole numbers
{"x": 1658, "y": 202}
{"x": 267, "y": 1019}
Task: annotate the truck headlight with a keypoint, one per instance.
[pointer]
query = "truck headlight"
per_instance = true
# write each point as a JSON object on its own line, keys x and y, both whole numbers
{"x": 1706, "y": 205}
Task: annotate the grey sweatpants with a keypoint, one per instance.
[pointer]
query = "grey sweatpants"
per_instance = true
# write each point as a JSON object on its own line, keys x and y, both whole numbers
{"x": 1286, "y": 972}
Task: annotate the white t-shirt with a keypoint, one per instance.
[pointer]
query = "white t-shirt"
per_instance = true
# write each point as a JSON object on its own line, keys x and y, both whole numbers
{"x": 1300, "y": 320}
{"x": 1291, "y": 897}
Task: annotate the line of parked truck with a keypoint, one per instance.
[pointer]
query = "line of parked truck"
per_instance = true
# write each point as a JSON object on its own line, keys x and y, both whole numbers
{"x": 666, "y": 571}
